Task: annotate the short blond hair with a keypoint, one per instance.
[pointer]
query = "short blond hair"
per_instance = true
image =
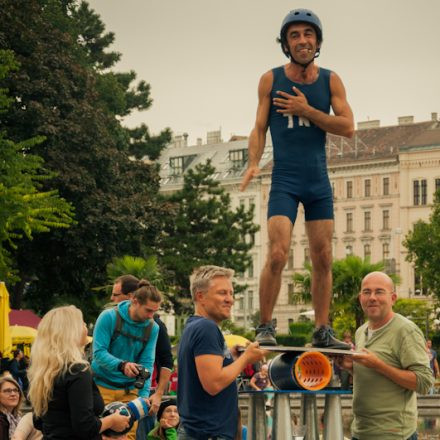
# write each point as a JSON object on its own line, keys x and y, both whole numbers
{"x": 202, "y": 276}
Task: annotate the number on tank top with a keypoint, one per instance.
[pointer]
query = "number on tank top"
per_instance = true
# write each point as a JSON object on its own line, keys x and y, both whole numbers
{"x": 302, "y": 122}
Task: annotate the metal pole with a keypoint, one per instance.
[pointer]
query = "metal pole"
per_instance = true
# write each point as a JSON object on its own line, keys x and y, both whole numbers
{"x": 282, "y": 419}
{"x": 309, "y": 416}
{"x": 257, "y": 417}
{"x": 333, "y": 424}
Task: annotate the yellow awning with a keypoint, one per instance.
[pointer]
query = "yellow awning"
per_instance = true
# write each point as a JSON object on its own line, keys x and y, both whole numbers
{"x": 5, "y": 335}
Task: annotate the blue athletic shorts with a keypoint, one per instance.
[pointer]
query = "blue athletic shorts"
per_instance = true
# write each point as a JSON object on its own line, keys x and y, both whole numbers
{"x": 309, "y": 187}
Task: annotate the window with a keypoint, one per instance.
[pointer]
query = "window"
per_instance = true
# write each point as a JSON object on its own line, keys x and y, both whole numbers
{"x": 290, "y": 260}
{"x": 306, "y": 255}
{"x": 349, "y": 250}
{"x": 251, "y": 269}
{"x": 385, "y": 251}
{"x": 367, "y": 187}
{"x": 238, "y": 158}
{"x": 416, "y": 192}
{"x": 437, "y": 185}
{"x": 424, "y": 192}
{"x": 250, "y": 299}
{"x": 176, "y": 165}
{"x": 333, "y": 190}
{"x": 349, "y": 189}
{"x": 349, "y": 226}
{"x": 241, "y": 303}
{"x": 367, "y": 251}
{"x": 386, "y": 186}
{"x": 252, "y": 239}
{"x": 367, "y": 221}
{"x": 385, "y": 219}
{"x": 252, "y": 203}
{"x": 290, "y": 293}
{"x": 179, "y": 164}
{"x": 242, "y": 203}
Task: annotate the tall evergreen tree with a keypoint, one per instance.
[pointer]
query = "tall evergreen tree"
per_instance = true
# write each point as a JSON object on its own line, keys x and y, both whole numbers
{"x": 204, "y": 229}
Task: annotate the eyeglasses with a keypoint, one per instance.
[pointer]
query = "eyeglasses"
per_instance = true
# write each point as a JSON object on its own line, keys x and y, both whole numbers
{"x": 380, "y": 293}
{"x": 11, "y": 391}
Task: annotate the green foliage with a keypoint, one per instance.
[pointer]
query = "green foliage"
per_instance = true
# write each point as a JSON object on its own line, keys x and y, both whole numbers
{"x": 203, "y": 229}
{"x": 25, "y": 210}
{"x": 65, "y": 92}
{"x": 292, "y": 340}
{"x": 304, "y": 328}
{"x": 347, "y": 277}
{"x": 423, "y": 244}
{"x": 139, "y": 267}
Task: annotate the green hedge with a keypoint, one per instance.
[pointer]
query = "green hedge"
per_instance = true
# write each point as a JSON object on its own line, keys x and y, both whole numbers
{"x": 292, "y": 340}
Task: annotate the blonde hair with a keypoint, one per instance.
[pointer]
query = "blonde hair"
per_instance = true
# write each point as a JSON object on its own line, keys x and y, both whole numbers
{"x": 202, "y": 276}
{"x": 16, "y": 410}
{"x": 57, "y": 348}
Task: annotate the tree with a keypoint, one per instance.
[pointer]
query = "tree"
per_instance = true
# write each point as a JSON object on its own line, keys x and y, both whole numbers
{"x": 25, "y": 210}
{"x": 65, "y": 92}
{"x": 347, "y": 277}
{"x": 423, "y": 244}
{"x": 203, "y": 229}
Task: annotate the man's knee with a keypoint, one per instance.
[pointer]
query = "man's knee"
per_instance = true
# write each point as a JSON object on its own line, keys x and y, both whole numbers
{"x": 277, "y": 260}
{"x": 322, "y": 259}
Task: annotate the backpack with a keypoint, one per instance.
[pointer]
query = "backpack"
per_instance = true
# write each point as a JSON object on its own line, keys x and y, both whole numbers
{"x": 118, "y": 331}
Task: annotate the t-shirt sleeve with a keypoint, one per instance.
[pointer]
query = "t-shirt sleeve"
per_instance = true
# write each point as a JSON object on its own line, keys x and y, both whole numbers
{"x": 208, "y": 340}
{"x": 413, "y": 357}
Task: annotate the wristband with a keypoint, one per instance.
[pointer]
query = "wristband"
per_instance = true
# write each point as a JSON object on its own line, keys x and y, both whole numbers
{"x": 121, "y": 366}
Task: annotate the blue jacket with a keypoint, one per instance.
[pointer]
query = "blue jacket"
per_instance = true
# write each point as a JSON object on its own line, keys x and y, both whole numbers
{"x": 106, "y": 359}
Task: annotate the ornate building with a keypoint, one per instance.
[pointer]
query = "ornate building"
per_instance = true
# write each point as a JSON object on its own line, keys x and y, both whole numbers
{"x": 383, "y": 181}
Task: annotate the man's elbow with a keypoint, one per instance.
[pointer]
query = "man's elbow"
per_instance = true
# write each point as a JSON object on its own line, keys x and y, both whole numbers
{"x": 349, "y": 131}
{"x": 212, "y": 389}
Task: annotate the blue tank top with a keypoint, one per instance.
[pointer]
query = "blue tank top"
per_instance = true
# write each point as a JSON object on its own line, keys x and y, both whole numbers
{"x": 297, "y": 141}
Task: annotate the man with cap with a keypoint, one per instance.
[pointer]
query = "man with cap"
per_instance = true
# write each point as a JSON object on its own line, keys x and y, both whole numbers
{"x": 294, "y": 100}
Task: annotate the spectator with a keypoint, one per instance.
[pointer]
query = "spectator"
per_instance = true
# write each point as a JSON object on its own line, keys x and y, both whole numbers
{"x": 65, "y": 400}
{"x": 26, "y": 430}
{"x": 17, "y": 369}
{"x": 168, "y": 421}
{"x": 433, "y": 363}
{"x": 124, "y": 343}
{"x": 260, "y": 381}
{"x": 174, "y": 378}
{"x": 11, "y": 398}
{"x": 123, "y": 290}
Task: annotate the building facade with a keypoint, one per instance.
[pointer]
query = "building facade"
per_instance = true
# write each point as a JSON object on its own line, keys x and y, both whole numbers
{"x": 383, "y": 181}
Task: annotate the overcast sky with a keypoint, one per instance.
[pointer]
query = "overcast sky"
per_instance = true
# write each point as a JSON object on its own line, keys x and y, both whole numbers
{"x": 204, "y": 58}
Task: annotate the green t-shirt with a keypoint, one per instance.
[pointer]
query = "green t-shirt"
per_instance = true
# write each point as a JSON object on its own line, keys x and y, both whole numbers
{"x": 381, "y": 408}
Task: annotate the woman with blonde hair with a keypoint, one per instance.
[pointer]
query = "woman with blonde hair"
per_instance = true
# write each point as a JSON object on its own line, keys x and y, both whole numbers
{"x": 65, "y": 400}
{"x": 10, "y": 403}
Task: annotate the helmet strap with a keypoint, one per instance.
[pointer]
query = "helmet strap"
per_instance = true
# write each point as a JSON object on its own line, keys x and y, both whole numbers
{"x": 305, "y": 65}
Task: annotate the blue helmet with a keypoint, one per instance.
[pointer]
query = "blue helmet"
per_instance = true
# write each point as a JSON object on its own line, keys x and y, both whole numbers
{"x": 300, "y": 16}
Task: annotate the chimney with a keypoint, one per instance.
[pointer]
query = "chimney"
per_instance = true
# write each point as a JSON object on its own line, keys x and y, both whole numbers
{"x": 185, "y": 139}
{"x": 368, "y": 124}
{"x": 214, "y": 137}
{"x": 405, "y": 120}
{"x": 434, "y": 116}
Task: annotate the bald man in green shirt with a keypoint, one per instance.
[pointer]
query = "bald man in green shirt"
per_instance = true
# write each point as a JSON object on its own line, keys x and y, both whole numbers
{"x": 392, "y": 367}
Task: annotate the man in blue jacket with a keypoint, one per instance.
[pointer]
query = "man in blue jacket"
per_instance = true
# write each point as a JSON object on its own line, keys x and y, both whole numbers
{"x": 124, "y": 342}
